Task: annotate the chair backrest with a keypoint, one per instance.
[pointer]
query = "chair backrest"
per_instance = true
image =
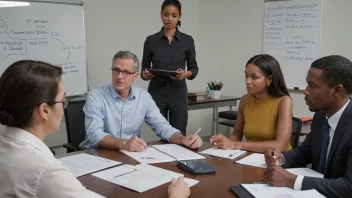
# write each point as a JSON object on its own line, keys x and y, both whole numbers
{"x": 296, "y": 131}
{"x": 74, "y": 118}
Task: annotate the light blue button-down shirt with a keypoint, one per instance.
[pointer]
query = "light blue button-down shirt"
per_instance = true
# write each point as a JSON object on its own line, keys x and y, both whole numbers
{"x": 106, "y": 114}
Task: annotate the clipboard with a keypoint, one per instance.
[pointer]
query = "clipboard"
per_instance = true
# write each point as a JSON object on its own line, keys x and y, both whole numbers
{"x": 162, "y": 73}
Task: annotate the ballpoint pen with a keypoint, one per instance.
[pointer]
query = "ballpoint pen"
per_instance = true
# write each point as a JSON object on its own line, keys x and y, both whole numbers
{"x": 197, "y": 131}
{"x": 274, "y": 155}
{"x": 237, "y": 156}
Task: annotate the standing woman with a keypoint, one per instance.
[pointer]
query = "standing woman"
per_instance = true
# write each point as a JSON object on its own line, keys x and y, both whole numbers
{"x": 170, "y": 49}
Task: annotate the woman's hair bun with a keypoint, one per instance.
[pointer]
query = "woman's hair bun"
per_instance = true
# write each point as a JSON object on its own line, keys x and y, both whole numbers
{"x": 5, "y": 117}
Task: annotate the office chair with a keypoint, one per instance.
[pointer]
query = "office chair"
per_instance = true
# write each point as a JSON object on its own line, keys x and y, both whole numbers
{"x": 296, "y": 131}
{"x": 74, "y": 118}
{"x": 230, "y": 117}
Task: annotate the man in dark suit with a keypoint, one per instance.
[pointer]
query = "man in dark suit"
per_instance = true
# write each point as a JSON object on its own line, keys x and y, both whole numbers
{"x": 329, "y": 145}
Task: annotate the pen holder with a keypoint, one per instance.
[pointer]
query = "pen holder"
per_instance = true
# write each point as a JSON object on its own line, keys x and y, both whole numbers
{"x": 214, "y": 94}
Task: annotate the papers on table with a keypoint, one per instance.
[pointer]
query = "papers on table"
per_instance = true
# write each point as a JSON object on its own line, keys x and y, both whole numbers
{"x": 163, "y": 153}
{"x": 228, "y": 154}
{"x": 171, "y": 174}
{"x": 258, "y": 160}
{"x": 82, "y": 164}
{"x": 266, "y": 191}
{"x": 141, "y": 177}
{"x": 305, "y": 172}
{"x": 94, "y": 194}
{"x": 254, "y": 159}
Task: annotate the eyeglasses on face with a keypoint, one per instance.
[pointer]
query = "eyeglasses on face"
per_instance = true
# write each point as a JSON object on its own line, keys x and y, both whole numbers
{"x": 125, "y": 73}
{"x": 64, "y": 103}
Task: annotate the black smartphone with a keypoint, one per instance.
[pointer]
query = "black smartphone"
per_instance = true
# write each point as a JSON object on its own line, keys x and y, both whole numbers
{"x": 197, "y": 167}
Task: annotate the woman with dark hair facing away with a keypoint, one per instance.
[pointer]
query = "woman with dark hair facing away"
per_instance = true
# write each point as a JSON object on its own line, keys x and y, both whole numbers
{"x": 32, "y": 99}
{"x": 170, "y": 49}
{"x": 264, "y": 113}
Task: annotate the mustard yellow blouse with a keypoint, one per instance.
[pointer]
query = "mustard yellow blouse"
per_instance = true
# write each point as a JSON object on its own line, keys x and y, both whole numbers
{"x": 260, "y": 119}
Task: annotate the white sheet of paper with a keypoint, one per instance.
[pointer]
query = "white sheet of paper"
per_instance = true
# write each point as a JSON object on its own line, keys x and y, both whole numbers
{"x": 171, "y": 174}
{"x": 94, "y": 194}
{"x": 309, "y": 194}
{"x": 266, "y": 191}
{"x": 152, "y": 155}
{"x": 82, "y": 164}
{"x": 254, "y": 159}
{"x": 149, "y": 156}
{"x": 139, "y": 178}
{"x": 135, "y": 179}
{"x": 305, "y": 172}
{"x": 228, "y": 154}
{"x": 179, "y": 152}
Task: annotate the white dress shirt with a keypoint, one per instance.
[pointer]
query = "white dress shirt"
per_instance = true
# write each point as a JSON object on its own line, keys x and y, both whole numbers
{"x": 29, "y": 169}
{"x": 333, "y": 121}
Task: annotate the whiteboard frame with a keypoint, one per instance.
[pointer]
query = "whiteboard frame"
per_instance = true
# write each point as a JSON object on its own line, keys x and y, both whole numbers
{"x": 68, "y": 2}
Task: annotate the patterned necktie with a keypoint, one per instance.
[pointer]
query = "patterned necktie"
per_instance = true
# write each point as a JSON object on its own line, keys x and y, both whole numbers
{"x": 324, "y": 148}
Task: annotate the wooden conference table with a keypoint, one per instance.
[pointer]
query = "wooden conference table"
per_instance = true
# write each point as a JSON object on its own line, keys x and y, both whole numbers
{"x": 210, "y": 185}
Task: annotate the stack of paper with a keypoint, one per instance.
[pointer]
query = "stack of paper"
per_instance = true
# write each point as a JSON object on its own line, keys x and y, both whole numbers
{"x": 254, "y": 159}
{"x": 82, "y": 164}
{"x": 228, "y": 154}
{"x": 141, "y": 177}
{"x": 266, "y": 191}
{"x": 163, "y": 153}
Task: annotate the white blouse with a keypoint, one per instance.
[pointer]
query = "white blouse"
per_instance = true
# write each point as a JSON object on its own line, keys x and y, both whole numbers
{"x": 29, "y": 169}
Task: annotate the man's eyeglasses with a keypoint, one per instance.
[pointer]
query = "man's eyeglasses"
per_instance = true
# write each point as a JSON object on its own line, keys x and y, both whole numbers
{"x": 125, "y": 73}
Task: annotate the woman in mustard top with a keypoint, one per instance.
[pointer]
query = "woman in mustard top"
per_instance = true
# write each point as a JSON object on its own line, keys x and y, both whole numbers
{"x": 264, "y": 113}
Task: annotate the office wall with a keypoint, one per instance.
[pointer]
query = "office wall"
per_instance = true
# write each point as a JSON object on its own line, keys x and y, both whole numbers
{"x": 232, "y": 31}
{"x": 226, "y": 32}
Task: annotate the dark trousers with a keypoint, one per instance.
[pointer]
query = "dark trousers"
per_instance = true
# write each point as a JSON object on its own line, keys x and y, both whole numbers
{"x": 171, "y": 99}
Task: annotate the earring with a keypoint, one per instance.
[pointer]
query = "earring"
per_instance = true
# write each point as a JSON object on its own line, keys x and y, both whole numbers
{"x": 268, "y": 85}
{"x": 46, "y": 118}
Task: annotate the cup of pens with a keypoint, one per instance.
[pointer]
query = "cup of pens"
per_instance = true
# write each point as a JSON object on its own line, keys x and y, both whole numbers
{"x": 214, "y": 89}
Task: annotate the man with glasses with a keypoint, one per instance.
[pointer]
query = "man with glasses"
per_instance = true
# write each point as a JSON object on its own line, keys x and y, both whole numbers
{"x": 114, "y": 113}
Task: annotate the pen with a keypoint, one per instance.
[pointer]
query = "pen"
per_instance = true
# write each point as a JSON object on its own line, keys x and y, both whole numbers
{"x": 237, "y": 156}
{"x": 197, "y": 131}
{"x": 145, "y": 146}
{"x": 274, "y": 155}
{"x": 133, "y": 170}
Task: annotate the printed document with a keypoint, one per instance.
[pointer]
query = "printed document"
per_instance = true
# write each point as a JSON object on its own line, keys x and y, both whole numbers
{"x": 82, "y": 164}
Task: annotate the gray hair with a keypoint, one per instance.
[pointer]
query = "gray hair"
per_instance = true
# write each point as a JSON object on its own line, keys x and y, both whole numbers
{"x": 127, "y": 54}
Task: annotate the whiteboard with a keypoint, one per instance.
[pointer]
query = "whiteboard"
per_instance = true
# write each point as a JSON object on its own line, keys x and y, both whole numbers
{"x": 48, "y": 31}
{"x": 292, "y": 35}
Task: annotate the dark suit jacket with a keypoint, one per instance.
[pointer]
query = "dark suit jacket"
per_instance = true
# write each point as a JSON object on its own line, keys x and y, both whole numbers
{"x": 337, "y": 181}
